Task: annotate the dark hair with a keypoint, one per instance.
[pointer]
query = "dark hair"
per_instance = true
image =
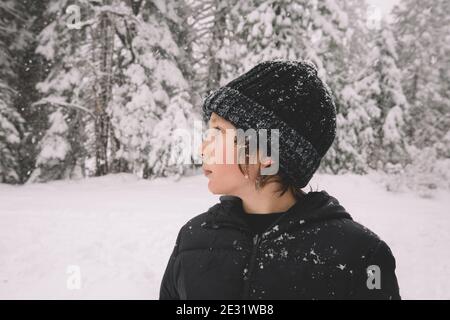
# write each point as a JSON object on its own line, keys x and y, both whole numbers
{"x": 262, "y": 180}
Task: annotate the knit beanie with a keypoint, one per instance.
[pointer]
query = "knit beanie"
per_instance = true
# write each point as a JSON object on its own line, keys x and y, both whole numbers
{"x": 286, "y": 95}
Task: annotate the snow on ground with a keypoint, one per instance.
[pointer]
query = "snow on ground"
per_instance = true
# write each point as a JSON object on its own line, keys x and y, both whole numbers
{"x": 120, "y": 230}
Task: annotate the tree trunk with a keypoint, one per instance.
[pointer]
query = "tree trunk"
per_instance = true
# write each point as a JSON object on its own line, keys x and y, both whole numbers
{"x": 102, "y": 122}
{"x": 218, "y": 36}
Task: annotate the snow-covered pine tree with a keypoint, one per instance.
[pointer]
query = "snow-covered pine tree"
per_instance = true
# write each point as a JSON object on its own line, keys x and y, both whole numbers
{"x": 12, "y": 40}
{"x": 183, "y": 34}
{"x": 359, "y": 38}
{"x": 152, "y": 99}
{"x": 422, "y": 29}
{"x": 355, "y": 87}
{"x": 371, "y": 104}
{"x": 355, "y": 134}
{"x": 114, "y": 75}
{"x": 55, "y": 150}
{"x": 30, "y": 70}
{"x": 66, "y": 92}
{"x": 211, "y": 24}
{"x": 371, "y": 123}
{"x": 311, "y": 30}
{"x": 391, "y": 146}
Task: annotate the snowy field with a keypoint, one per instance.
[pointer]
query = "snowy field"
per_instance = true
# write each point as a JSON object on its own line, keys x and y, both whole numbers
{"x": 120, "y": 231}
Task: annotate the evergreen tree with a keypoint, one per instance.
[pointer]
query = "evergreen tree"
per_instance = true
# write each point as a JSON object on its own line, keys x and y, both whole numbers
{"x": 153, "y": 99}
{"x": 112, "y": 79}
{"x": 392, "y": 136}
{"x": 12, "y": 41}
{"x": 422, "y": 30}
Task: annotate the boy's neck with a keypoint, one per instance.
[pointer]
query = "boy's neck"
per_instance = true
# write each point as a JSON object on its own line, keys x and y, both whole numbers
{"x": 267, "y": 201}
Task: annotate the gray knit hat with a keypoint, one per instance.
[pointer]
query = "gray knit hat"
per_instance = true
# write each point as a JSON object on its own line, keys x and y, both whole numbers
{"x": 284, "y": 95}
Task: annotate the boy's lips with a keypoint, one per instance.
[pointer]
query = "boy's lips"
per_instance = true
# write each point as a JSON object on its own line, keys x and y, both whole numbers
{"x": 206, "y": 172}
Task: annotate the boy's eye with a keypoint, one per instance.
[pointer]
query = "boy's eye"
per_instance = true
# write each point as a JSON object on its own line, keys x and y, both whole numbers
{"x": 218, "y": 128}
{"x": 209, "y": 133}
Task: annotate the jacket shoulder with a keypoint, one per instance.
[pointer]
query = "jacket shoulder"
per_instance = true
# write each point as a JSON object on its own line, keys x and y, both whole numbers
{"x": 352, "y": 231}
{"x": 204, "y": 217}
{"x": 352, "y": 241}
{"x": 358, "y": 250}
{"x": 192, "y": 234}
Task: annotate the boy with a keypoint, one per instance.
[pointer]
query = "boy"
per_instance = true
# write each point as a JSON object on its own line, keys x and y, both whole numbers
{"x": 267, "y": 238}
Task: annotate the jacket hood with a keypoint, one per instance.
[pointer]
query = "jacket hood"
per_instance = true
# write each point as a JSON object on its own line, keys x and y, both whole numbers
{"x": 315, "y": 206}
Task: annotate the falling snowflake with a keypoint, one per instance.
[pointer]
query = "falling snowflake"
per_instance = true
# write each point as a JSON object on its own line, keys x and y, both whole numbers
{"x": 316, "y": 258}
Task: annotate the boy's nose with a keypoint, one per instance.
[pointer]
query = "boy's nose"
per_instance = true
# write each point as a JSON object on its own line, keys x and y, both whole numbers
{"x": 200, "y": 149}
{"x": 203, "y": 150}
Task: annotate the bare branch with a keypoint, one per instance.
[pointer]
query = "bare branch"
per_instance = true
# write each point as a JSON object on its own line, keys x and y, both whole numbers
{"x": 62, "y": 104}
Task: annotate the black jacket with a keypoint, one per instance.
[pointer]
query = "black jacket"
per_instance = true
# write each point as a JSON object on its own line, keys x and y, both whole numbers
{"x": 313, "y": 251}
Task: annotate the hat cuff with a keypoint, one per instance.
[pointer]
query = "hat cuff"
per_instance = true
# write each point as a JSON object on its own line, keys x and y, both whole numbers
{"x": 298, "y": 158}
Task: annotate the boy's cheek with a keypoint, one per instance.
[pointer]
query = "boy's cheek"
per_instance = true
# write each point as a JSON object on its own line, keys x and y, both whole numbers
{"x": 225, "y": 171}
{"x": 229, "y": 154}
{"x": 220, "y": 154}
{"x": 223, "y": 157}
{"x": 228, "y": 172}
{"x": 209, "y": 154}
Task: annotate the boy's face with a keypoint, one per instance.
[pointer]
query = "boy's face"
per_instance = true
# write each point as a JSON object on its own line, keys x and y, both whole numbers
{"x": 223, "y": 174}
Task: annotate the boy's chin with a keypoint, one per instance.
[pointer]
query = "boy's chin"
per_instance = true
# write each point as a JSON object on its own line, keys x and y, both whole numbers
{"x": 214, "y": 191}
{"x": 217, "y": 189}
